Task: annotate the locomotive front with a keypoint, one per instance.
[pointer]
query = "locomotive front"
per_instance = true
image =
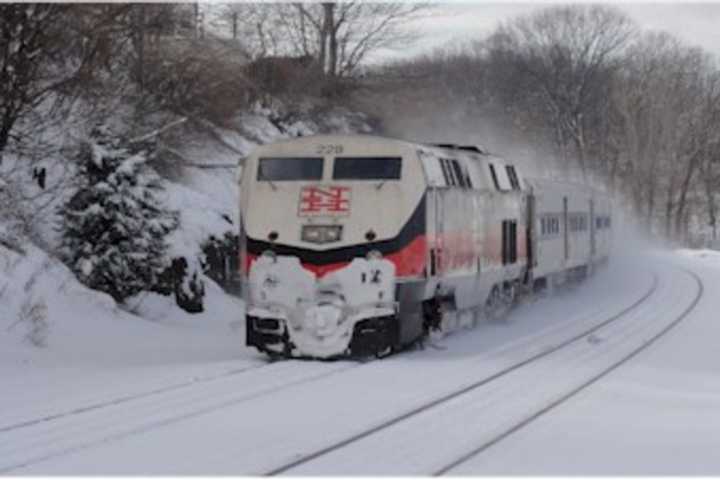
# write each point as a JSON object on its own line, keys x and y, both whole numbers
{"x": 329, "y": 225}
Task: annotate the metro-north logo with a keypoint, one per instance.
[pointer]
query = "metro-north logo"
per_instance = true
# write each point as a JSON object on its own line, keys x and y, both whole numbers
{"x": 330, "y": 200}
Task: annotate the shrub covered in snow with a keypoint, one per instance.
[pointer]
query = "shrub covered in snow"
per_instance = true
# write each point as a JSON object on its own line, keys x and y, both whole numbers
{"x": 221, "y": 260}
{"x": 114, "y": 227}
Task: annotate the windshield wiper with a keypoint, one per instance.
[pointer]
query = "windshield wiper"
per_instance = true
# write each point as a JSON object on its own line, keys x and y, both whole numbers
{"x": 264, "y": 179}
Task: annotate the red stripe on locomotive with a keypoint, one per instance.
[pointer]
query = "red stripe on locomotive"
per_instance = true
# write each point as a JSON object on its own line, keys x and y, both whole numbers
{"x": 409, "y": 261}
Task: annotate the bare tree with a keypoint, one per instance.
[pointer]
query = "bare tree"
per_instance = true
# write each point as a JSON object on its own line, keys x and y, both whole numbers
{"x": 568, "y": 52}
{"x": 340, "y": 36}
{"x": 47, "y": 52}
{"x": 646, "y": 100}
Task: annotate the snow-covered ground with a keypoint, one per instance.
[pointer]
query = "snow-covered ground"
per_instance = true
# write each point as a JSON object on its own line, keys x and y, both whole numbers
{"x": 64, "y": 346}
{"x": 659, "y": 415}
{"x": 113, "y": 393}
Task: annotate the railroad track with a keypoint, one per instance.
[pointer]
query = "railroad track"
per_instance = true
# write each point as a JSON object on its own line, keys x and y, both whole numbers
{"x": 459, "y": 392}
{"x": 564, "y": 398}
{"x": 485, "y": 397}
{"x": 118, "y": 400}
{"x": 185, "y": 402}
{"x": 53, "y": 432}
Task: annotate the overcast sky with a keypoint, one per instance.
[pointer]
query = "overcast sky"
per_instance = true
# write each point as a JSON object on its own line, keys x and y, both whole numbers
{"x": 697, "y": 24}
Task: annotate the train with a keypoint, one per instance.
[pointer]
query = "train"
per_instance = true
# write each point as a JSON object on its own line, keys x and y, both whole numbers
{"x": 361, "y": 245}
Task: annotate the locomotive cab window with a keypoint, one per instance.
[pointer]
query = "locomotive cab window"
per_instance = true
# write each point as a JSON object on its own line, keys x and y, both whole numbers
{"x": 451, "y": 179}
{"x": 284, "y": 169}
{"x": 493, "y": 174}
{"x": 446, "y": 174}
{"x": 458, "y": 173}
{"x": 367, "y": 168}
{"x": 512, "y": 176}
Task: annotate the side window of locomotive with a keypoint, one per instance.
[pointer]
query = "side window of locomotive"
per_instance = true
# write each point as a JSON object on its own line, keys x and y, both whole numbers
{"x": 446, "y": 175}
{"x": 451, "y": 177}
{"x": 468, "y": 178}
{"x": 285, "y": 169}
{"x": 512, "y": 176}
{"x": 367, "y": 168}
{"x": 458, "y": 173}
{"x": 494, "y": 176}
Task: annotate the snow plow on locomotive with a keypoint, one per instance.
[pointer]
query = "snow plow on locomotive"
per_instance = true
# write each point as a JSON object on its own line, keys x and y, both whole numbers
{"x": 361, "y": 245}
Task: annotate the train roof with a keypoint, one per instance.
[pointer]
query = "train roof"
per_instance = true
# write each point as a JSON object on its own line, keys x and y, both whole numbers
{"x": 476, "y": 149}
{"x": 338, "y": 137}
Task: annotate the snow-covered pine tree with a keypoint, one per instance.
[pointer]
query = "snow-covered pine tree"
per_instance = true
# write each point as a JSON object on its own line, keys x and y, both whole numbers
{"x": 114, "y": 227}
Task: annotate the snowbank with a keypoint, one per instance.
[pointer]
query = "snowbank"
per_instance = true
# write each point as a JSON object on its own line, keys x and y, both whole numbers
{"x": 201, "y": 215}
{"x": 49, "y": 319}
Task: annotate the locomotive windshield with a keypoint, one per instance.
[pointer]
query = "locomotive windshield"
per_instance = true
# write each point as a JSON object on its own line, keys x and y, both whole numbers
{"x": 279, "y": 169}
{"x": 367, "y": 168}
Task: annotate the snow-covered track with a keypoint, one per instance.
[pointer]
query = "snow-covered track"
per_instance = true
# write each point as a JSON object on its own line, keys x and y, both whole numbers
{"x": 128, "y": 398}
{"x": 34, "y": 441}
{"x": 531, "y": 417}
{"x": 281, "y": 418}
{"x": 448, "y": 435}
{"x": 466, "y": 389}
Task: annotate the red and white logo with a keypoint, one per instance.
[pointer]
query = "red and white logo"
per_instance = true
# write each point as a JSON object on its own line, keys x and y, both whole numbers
{"x": 329, "y": 200}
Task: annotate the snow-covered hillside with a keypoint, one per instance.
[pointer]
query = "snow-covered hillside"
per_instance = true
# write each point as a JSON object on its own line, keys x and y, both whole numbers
{"x": 49, "y": 319}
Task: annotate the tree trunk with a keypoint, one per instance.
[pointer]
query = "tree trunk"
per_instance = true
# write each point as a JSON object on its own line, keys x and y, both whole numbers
{"x": 651, "y": 206}
{"x": 706, "y": 173}
{"x": 682, "y": 201}
{"x": 333, "y": 54}
{"x": 669, "y": 208}
{"x": 326, "y": 34}
{"x": 578, "y": 136}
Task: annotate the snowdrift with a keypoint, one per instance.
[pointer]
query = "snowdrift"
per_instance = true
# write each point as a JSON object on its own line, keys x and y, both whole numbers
{"x": 48, "y": 318}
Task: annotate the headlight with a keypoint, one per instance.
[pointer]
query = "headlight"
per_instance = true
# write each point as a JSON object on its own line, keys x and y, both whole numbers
{"x": 321, "y": 233}
{"x": 269, "y": 254}
{"x": 374, "y": 255}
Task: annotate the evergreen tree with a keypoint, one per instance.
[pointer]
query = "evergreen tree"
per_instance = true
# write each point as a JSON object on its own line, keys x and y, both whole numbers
{"x": 114, "y": 226}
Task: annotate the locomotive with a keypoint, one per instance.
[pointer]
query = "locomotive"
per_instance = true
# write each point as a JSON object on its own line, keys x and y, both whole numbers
{"x": 361, "y": 245}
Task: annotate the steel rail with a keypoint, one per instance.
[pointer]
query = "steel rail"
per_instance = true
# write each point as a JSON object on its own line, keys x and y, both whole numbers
{"x": 567, "y": 396}
{"x": 297, "y": 461}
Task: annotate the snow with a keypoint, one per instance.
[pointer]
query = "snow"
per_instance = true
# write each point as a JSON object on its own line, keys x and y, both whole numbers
{"x": 660, "y": 415}
{"x": 81, "y": 349}
{"x": 200, "y": 216}
{"x": 87, "y": 328}
{"x": 264, "y": 415}
{"x": 321, "y": 313}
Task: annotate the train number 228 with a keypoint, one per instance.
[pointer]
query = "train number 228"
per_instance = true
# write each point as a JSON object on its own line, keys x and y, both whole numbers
{"x": 327, "y": 149}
